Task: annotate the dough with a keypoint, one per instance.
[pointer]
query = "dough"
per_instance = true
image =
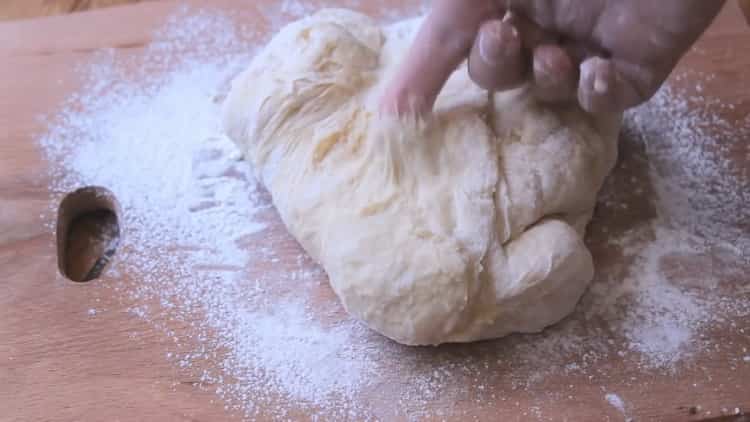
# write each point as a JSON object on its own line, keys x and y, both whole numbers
{"x": 463, "y": 227}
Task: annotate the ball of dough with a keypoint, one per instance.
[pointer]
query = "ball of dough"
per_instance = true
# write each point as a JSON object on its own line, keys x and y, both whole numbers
{"x": 461, "y": 227}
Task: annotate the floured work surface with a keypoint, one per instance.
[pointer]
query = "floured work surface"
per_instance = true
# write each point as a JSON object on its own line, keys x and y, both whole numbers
{"x": 210, "y": 309}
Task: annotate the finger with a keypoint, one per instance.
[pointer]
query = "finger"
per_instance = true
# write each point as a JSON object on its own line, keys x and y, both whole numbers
{"x": 554, "y": 74}
{"x": 496, "y": 61}
{"x": 609, "y": 85}
{"x": 596, "y": 87}
{"x": 441, "y": 44}
{"x": 532, "y": 34}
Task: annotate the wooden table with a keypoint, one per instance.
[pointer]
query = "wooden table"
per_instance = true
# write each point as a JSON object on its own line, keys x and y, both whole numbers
{"x": 24, "y": 9}
{"x": 56, "y": 364}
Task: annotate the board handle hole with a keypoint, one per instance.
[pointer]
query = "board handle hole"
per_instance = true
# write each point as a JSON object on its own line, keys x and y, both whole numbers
{"x": 88, "y": 233}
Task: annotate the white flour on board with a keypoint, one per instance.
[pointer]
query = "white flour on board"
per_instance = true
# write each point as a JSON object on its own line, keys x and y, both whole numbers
{"x": 261, "y": 328}
{"x": 615, "y": 401}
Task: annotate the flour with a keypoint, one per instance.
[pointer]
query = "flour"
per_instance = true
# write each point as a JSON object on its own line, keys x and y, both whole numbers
{"x": 701, "y": 221}
{"x": 615, "y": 401}
{"x": 258, "y": 324}
{"x": 658, "y": 319}
{"x": 698, "y": 187}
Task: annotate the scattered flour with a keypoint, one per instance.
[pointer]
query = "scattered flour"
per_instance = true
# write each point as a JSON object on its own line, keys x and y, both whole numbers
{"x": 658, "y": 318}
{"x": 615, "y": 401}
{"x": 206, "y": 251}
{"x": 698, "y": 187}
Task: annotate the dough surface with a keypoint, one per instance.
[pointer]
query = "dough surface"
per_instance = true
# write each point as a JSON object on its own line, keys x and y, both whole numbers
{"x": 463, "y": 227}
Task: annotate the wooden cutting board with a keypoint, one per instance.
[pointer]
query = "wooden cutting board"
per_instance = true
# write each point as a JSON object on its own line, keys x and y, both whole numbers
{"x": 24, "y": 9}
{"x": 56, "y": 363}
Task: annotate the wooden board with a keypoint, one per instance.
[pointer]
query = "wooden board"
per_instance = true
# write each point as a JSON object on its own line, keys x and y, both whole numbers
{"x": 25, "y": 9}
{"x": 56, "y": 363}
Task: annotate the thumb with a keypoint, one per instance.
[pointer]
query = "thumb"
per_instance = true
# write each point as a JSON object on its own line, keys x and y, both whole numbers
{"x": 496, "y": 61}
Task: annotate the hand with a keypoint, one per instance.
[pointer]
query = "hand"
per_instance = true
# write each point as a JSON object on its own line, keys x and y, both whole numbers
{"x": 608, "y": 55}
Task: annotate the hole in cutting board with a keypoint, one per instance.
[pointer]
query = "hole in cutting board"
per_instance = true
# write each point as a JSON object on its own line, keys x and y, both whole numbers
{"x": 88, "y": 233}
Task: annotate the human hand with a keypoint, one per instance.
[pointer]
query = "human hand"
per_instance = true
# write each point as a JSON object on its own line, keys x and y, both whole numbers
{"x": 608, "y": 55}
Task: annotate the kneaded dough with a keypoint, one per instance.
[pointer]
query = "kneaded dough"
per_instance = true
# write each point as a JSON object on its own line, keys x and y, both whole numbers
{"x": 463, "y": 227}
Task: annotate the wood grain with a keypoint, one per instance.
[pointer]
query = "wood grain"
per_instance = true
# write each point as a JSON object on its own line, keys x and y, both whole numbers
{"x": 58, "y": 362}
{"x": 25, "y": 9}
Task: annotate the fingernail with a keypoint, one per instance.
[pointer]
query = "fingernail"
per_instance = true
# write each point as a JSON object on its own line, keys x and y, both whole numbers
{"x": 600, "y": 85}
{"x": 507, "y": 36}
{"x": 496, "y": 43}
{"x": 489, "y": 46}
{"x": 544, "y": 74}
